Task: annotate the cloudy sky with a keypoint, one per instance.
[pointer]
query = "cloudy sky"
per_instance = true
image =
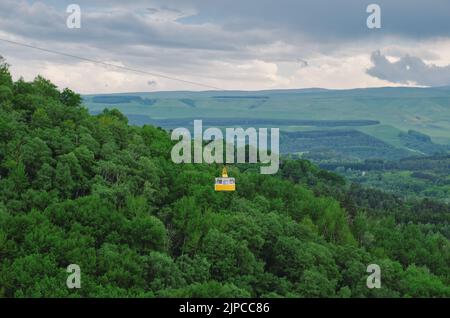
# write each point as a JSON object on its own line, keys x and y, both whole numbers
{"x": 229, "y": 44}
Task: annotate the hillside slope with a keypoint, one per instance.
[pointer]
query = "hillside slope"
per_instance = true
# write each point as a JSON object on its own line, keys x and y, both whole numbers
{"x": 94, "y": 191}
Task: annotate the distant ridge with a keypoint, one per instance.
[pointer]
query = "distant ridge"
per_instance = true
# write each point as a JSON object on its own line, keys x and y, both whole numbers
{"x": 279, "y": 92}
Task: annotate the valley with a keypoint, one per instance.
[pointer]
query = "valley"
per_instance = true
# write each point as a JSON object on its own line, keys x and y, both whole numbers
{"x": 341, "y": 130}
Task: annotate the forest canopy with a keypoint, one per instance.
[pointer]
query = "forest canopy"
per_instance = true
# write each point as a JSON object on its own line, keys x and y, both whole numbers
{"x": 97, "y": 192}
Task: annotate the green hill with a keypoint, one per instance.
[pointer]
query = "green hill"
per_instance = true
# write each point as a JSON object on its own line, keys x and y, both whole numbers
{"x": 97, "y": 192}
{"x": 387, "y": 114}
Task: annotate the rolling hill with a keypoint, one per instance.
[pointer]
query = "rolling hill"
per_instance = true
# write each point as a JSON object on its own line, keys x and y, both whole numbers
{"x": 405, "y": 121}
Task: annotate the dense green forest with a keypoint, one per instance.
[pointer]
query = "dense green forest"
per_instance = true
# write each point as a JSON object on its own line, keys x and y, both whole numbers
{"x": 97, "y": 192}
{"x": 338, "y": 145}
{"x": 414, "y": 177}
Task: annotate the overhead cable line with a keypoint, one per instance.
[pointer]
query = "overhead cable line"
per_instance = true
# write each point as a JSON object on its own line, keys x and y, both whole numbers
{"x": 110, "y": 64}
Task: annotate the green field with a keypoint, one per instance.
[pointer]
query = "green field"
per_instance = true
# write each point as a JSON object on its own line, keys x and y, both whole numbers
{"x": 394, "y": 110}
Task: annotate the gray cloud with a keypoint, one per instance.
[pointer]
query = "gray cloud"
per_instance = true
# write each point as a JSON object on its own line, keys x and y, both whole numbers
{"x": 409, "y": 69}
{"x": 202, "y": 39}
{"x": 231, "y": 25}
{"x": 325, "y": 19}
{"x": 131, "y": 34}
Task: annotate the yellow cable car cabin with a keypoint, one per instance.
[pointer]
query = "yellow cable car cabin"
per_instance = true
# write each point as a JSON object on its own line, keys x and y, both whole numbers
{"x": 225, "y": 183}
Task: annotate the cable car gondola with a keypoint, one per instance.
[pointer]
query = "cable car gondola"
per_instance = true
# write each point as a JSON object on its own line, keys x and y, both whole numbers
{"x": 225, "y": 183}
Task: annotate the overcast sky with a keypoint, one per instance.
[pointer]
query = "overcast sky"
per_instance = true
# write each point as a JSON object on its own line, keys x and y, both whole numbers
{"x": 230, "y": 44}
